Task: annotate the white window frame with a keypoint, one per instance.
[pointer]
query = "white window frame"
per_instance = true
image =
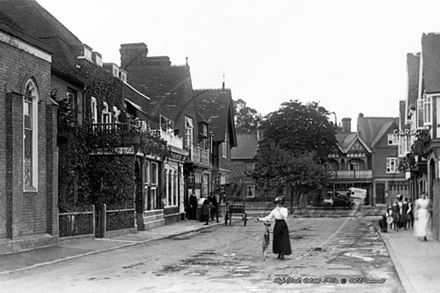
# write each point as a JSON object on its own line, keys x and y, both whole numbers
{"x": 225, "y": 146}
{"x": 154, "y": 176}
{"x": 420, "y": 119}
{"x": 106, "y": 115}
{"x": 251, "y": 188}
{"x": 393, "y": 139}
{"x": 94, "y": 110}
{"x": 427, "y": 110}
{"x": 392, "y": 165}
{"x": 34, "y": 99}
{"x": 189, "y": 131}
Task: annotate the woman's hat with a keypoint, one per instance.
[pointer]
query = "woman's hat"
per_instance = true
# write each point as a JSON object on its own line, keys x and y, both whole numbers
{"x": 279, "y": 199}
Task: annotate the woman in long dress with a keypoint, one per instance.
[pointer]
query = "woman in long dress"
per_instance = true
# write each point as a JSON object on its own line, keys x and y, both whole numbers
{"x": 421, "y": 216}
{"x": 281, "y": 240}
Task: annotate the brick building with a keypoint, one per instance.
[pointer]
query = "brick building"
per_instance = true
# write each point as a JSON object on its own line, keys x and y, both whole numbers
{"x": 28, "y": 176}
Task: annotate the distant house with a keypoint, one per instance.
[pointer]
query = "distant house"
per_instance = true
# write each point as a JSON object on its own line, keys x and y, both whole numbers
{"x": 28, "y": 152}
{"x": 367, "y": 158}
{"x": 242, "y": 160}
{"x": 216, "y": 105}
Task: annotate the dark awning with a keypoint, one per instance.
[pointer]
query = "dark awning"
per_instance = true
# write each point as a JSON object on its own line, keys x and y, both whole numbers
{"x": 136, "y": 110}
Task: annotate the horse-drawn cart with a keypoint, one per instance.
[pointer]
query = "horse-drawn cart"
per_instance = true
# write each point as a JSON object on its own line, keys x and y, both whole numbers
{"x": 235, "y": 205}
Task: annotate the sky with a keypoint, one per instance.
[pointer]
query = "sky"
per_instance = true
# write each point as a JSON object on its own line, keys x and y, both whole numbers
{"x": 347, "y": 55}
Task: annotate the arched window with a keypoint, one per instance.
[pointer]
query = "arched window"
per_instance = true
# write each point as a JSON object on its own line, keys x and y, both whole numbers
{"x": 30, "y": 137}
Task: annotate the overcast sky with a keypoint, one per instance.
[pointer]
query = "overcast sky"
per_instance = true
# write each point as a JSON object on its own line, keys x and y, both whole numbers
{"x": 350, "y": 56}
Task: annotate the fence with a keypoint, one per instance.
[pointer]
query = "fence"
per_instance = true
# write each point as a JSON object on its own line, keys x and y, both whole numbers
{"x": 75, "y": 224}
{"x": 115, "y": 218}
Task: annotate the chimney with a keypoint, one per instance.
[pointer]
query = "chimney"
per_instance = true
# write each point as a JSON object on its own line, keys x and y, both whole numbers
{"x": 133, "y": 55}
{"x": 346, "y": 124}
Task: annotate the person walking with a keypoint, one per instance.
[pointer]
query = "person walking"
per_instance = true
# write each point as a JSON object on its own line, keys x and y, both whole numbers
{"x": 423, "y": 207}
{"x": 281, "y": 240}
{"x": 205, "y": 212}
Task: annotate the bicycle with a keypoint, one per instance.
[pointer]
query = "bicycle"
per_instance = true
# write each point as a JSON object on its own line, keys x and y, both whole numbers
{"x": 266, "y": 238}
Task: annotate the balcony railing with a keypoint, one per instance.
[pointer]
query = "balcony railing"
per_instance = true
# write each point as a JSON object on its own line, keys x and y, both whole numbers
{"x": 351, "y": 174}
{"x": 170, "y": 138}
{"x": 198, "y": 155}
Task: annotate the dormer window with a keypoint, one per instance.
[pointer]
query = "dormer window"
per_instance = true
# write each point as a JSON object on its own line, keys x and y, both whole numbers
{"x": 97, "y": 58}
{"x": 88, "y": 52}
{"x": 123, "y": 75}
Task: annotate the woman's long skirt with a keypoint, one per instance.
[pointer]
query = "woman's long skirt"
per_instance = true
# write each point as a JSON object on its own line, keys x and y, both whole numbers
{"x": 281, "y": 240}
{"x": 421, "y": 224}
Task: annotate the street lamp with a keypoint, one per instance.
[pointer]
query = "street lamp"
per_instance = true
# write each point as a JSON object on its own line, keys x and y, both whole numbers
{"x": 336, "y": 120}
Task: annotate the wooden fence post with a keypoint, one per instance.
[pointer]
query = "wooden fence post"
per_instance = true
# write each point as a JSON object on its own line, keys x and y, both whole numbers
{"x": 94, "y": 220}
{"x": 104, "y": 220}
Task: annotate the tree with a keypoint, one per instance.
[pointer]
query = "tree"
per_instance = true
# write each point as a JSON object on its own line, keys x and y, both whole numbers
{"x": 297, "y": 139}
{"x": 277, "y": 167}
{"x": 246, "y": 118}
{"x": 300, "y": 128}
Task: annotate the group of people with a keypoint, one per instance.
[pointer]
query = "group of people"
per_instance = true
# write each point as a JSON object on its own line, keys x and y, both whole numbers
{"x": 209, "y": 208}
{"x": 404, "y": 214}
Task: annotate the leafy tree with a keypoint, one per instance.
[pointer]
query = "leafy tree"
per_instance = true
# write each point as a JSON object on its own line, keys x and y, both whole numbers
{"x": 300, "y": 128}
{"x": 297, "y": 139}
{"x": 275, "y": 167}
{"x": 246, "y": 118}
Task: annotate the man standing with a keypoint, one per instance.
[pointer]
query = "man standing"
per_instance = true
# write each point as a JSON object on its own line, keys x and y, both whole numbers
{"x": 192, "y": 207}
{"x": 213, "y": 203}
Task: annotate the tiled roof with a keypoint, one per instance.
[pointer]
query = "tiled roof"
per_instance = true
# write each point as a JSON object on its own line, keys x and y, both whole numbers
{"x": 413, "y": 67}
{"x": 370, "y": 129}
{"x": 169, "y": 89}
{"x": 10, "y": 27}
{"x": 383, "y": 130}
{"x": 344, "y": 139}
{"x": 34, "y": 20}
{"x": 431, "y": 62}
{"x": 217, "y": 106}
{"x": 247, "y": 146}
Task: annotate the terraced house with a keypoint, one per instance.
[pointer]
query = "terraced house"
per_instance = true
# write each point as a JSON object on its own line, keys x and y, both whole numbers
{"x": 420, "y": 131}
{"x": 179, "y": 112}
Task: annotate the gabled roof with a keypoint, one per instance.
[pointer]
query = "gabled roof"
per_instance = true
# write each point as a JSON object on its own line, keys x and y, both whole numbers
{"x": 347, "y": 140}
{"x": 383, "y": 130}
{"x": 431, "y": 62}
{"x": 370, "y": 129}
{"x": 217, "y": 106}
{"x": 247, "y": 146}
{"x": 34, "y": 20}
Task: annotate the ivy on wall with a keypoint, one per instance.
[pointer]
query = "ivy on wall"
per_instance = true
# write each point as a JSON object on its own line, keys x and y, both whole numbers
{"x": 90, "y": 169}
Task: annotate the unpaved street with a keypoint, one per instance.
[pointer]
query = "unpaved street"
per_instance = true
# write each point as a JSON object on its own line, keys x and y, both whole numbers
{"x": 326, "y": 251}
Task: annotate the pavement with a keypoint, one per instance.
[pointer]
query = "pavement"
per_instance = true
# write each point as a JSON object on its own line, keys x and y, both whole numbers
{"x": 416, "y": 261}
